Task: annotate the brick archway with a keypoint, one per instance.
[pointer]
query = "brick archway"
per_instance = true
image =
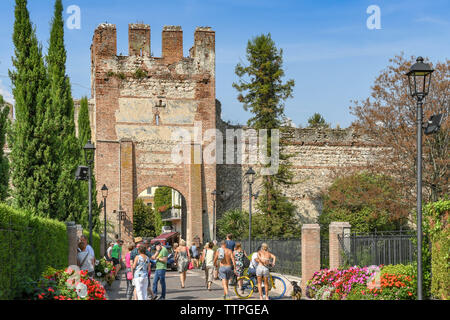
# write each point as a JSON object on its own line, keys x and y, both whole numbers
{"x": 179, "y": 222}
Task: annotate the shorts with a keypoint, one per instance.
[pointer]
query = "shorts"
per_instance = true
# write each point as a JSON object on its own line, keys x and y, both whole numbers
{"x": 225, "y": 273}
{"x": 262, "y": 271}
{"x": 115, "y": 261}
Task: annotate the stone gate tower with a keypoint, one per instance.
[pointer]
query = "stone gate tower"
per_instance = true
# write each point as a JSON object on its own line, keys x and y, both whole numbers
{"x": 138, "y": 102}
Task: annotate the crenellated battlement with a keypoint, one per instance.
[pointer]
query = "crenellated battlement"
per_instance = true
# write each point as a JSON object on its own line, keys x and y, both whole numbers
{"x": 104, "y": 44}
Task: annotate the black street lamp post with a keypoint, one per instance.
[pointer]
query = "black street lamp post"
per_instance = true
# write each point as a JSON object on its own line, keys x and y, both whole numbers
{"x": 419, "y": 79}
{"x": 251, "y": 176}
{"x": 214, "y": 194}
{"x": 89, "y": 153}
{"x": 105, "y": 195}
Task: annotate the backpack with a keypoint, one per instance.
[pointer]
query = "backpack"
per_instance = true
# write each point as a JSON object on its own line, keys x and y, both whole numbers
{"x": 221, "y": 254}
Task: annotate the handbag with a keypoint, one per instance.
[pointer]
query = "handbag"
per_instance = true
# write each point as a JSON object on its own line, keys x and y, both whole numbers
{"x": 190, "y": 266}
{"x": 129, "y": 274}
{"x": 246, "y": 262}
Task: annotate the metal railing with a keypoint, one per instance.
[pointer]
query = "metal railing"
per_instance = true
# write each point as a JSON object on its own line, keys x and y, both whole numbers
{"x": 287, "y": 251}
{"x": 388, "y": 247}
{"x": 324, "y": 253}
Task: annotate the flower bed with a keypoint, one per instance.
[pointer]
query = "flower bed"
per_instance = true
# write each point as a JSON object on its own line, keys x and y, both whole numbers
{"x": 367, "y": 283}
{"x": 105, "y": 270}
{"x": 68, "y": 284}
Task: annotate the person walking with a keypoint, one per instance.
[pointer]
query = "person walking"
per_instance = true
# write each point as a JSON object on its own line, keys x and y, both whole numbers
{"x": 182, "y": 261}
{"x": 108, "y": 251}
{"x": 216, "y": 269}
{"x": 141, "y": 267}
{"x": 116, "y": 256}
{"x": 226, "y": 261}
{"x": 239, "y": 254}
{"x": 85, "y": 260}
{"x": 129, "y": 272}
{"x": 135, "y": 252}
{"x": 195, "y": 255}
{"x": 253, "y": 264}
{"x": 230, "y": 243}
{"x": 208, "y": 262}
{"x": 265, "y": 261}
{"x": 89, "y": 249}
{"x": 160, "y": 256}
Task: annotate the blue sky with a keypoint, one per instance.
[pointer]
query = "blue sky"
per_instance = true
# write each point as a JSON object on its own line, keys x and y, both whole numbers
{"x": 328, "y": 49}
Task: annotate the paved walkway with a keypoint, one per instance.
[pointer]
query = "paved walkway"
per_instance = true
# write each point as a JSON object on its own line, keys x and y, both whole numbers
{"x": 195, "y": 288}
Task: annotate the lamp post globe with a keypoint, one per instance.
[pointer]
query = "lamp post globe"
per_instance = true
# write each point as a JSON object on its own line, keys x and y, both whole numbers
{"x": 89, "y": 150}
{"x": 419, "y": 81}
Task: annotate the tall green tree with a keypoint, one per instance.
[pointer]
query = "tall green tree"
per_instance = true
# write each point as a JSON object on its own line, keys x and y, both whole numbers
{"x": 84, "y": 135}
{"x": 367, "y": 201}
{"x": 317, "y": 121}
{"x": 162, "y": 202}
{"x": 4, "y": 163}
{"x": 69, "y": 191}
{"x": 31, "y": 164}
{"x": 263, "y": 92}
{"x": 143, "y": 224}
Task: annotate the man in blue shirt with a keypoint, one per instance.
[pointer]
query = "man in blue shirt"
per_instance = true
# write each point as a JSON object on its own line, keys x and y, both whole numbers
{"x": 229, "y": 242}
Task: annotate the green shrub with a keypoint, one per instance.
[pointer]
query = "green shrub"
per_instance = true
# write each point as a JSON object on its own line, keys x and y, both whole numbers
{"x": 34, "y": 244}
{"x": 367, "y": 201}
{"x": 360, "y": 292}
{"x": 408, "y": 269}
{"x": 436, "y": 221}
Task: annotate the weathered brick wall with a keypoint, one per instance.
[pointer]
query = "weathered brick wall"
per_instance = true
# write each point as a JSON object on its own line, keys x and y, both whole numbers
{"x": 139, "y": 102}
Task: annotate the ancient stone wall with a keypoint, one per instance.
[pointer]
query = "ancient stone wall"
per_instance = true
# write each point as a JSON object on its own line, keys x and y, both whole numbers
{"x": 320, "y": 154}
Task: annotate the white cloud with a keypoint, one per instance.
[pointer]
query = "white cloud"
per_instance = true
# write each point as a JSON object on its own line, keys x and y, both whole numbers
{"x": 432, "y": 20}
{"x": 7, "y": 95}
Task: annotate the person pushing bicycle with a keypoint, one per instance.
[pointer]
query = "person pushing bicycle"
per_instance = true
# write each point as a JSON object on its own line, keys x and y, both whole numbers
{"x": 265, "y": 260}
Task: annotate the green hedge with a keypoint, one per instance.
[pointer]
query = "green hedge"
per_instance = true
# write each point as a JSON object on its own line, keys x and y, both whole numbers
{"x": 437, "y": 221}
{"x": 95, "y": 242}
{"x": 26, "y": 252}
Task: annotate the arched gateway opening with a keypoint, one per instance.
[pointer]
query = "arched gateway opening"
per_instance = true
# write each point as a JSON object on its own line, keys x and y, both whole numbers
{"x": 170, "y": 205}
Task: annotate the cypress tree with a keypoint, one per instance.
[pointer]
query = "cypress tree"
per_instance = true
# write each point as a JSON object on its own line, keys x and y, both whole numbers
{"x": 29, "y": 156}
{"x": 263, "y": 93}
{"x": 4, "y": 163}
{"x": 68, "y": 190}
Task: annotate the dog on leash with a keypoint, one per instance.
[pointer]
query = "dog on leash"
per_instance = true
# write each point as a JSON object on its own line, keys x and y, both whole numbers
{"x": 296, "y": 291}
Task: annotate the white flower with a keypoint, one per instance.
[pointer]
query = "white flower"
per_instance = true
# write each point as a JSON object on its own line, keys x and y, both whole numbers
{"x": 96, "y": 262}
{"x": 106, "y": 270}
{"x": 81, "y": 290}
{"x": 99, "y": 274}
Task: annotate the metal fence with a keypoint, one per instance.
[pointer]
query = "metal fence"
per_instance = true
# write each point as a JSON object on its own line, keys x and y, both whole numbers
{"x": 287, "y": 251}
{"x": 389, "y": 247}
{"x": 324, "y": 253}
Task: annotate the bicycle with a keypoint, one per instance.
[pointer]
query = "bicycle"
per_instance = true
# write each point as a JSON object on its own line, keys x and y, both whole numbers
{"x": 250, "y": 284}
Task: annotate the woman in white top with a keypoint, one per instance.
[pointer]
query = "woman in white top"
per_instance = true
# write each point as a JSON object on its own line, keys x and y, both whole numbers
{"x": 208, "y": 260}
{"x": 84, "y": 260}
